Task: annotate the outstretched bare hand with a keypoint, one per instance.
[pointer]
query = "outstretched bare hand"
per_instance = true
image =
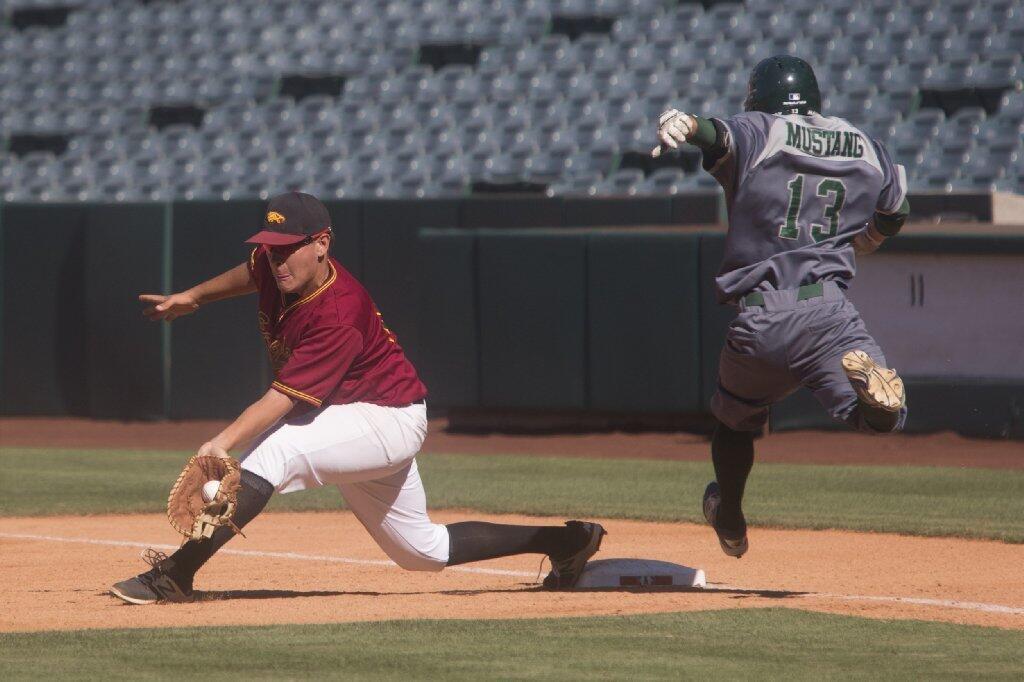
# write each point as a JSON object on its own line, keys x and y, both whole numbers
{"x": 168, "y": 307}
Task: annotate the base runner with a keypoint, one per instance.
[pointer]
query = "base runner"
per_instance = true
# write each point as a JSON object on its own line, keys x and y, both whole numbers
{"x": 346, "y": 408}
{"x": 805, "y": 193}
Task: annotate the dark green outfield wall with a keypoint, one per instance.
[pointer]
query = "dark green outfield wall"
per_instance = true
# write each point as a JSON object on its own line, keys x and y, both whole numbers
{"x": 72, "y": 342}
{"x": 507, "y": 304}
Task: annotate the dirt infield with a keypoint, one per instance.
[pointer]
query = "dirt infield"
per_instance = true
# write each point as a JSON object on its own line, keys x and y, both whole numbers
{"x": 322, "y": 567}
{"x": 309, "y": 568}
{"x": 800, "y": 447}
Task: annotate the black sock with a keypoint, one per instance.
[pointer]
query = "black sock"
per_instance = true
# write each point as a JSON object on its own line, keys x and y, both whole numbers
{"x": 733, "y": 455}
{"x": 882, "y": 421}
{"x": 190, "y": 557}
{"x": 477, "y": 540}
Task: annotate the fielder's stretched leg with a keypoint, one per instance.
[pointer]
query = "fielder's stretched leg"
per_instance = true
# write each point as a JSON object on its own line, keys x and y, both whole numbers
{"x": 368, "y": 452}
{"x": 393, "y": 509}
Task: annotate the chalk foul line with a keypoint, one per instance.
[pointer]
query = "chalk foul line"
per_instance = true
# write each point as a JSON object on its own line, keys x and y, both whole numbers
{"x": 917, "y": 601}
{"x": 255, "y": 553}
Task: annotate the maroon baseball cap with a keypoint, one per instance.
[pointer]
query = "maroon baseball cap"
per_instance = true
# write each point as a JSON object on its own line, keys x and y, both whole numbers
{"x": 290, "y": 218}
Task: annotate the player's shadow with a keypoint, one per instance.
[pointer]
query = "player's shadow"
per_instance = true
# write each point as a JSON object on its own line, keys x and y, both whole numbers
{"x": 741, "y": 593}
{"x": 229, "y": 595}
{"x": 520, "y": 588}
{"x": 669, "y": 589}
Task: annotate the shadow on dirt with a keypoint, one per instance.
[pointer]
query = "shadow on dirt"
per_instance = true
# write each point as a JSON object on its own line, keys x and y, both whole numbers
{"x": 524, "y": 588}
{"x": 230, "y": 595}
{"x": 741, "y": 593}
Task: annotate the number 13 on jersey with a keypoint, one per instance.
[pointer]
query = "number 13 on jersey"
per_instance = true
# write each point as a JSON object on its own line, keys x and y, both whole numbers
{"x": 828, "y": 188}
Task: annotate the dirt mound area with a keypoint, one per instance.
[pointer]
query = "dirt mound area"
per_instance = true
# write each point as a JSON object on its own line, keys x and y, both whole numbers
{"x": 315, "y": 568}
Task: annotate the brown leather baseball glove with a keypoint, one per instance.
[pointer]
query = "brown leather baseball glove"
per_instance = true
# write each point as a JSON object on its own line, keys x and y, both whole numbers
{"x": 186, "y": 510}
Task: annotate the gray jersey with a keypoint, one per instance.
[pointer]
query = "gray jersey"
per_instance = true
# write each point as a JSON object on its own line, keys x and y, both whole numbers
{"x": 798, "y": 189}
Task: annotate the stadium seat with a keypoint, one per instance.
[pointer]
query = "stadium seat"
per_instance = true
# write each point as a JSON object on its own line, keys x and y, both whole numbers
{"x": 623, "y": 182}
{"x": 664, "y": 181}
{"x": 1012, "y": 107}
{"x": 417, "y": 184}
{"x": 583, "y": 184}
{"x": 454, "y": 183}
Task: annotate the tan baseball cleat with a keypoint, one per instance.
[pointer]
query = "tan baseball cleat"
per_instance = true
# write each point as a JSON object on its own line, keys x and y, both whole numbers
{"x": 875, "y": 385}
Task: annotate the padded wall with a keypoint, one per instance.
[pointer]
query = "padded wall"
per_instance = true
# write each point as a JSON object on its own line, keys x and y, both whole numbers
{"x": 644, "y": 327}
{"x": 391, "y": 271}
{"x": 699, "y": 208}
{"x": 448, "y": 353}
{"x": 347, "y": 224}
{"x": 218, "y": 359}
{"x": 43, "y": 366}
{"x": 510, "y": 211}
{"x": 714, "y": 318}
{"x": 601, "y": 211}
{"x": 532, "y": 288}
{"x": 124, "y": 257}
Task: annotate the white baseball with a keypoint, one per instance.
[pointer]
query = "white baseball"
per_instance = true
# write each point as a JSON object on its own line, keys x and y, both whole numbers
{"x": 210, "y": 489}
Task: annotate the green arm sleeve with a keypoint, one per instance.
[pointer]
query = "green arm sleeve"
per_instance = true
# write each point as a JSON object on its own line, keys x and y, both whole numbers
{"x": 706, "y": 135}
{"x": 890, "y": 224}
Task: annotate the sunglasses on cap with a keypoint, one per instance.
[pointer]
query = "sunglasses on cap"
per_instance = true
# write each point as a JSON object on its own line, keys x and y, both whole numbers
{"x": 289, "y": 249}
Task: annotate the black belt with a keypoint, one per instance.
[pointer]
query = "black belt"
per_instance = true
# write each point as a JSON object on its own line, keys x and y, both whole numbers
{"x": 802, "y": 294}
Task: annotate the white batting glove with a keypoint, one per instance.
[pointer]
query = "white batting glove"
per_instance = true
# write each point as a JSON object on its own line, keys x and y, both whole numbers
{"x": 674, "y": 128}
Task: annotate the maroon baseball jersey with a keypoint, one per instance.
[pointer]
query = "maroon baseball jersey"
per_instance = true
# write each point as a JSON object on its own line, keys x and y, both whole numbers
{"x": 331, "y": 347}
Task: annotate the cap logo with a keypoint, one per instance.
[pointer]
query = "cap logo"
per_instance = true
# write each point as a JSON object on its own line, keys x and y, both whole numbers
{"x": 275, "y": 217}
{"x": 794, "y": 97}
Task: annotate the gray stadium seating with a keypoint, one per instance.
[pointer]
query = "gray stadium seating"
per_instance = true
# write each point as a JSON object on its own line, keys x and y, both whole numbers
{"x": 535, "y": 106}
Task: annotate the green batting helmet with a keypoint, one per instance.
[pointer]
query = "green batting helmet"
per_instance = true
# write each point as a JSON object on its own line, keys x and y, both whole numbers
{"x": 783, "y": 85}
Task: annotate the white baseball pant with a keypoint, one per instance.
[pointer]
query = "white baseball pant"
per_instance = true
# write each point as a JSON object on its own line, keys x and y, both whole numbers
{"x": 369, "y": 453}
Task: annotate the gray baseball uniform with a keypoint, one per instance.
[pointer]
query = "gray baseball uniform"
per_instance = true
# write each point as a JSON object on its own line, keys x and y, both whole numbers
{"x": 798, "y": 189}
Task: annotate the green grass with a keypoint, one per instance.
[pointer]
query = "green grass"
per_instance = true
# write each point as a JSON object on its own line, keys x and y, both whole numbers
{"x": 977, "y": 503}
{"x": 732, "y": 644}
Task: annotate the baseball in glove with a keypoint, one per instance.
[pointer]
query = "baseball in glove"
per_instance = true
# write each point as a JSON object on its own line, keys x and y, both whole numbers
{"x": 186, "y": 510}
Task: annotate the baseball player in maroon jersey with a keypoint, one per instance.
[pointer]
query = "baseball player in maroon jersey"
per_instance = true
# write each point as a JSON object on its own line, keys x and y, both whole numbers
{"x": 346, "y": 408}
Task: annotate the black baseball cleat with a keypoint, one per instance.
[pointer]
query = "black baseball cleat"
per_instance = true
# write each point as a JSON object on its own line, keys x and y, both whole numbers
{"x": 566, "y": 571}
{"x": 732, "y": 544}
{"x": 155, "y": 585}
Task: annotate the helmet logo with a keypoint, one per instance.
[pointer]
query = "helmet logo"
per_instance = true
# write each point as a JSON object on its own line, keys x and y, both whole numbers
{"x": 275, "y": 217}
{"x": 795, "y": 102}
